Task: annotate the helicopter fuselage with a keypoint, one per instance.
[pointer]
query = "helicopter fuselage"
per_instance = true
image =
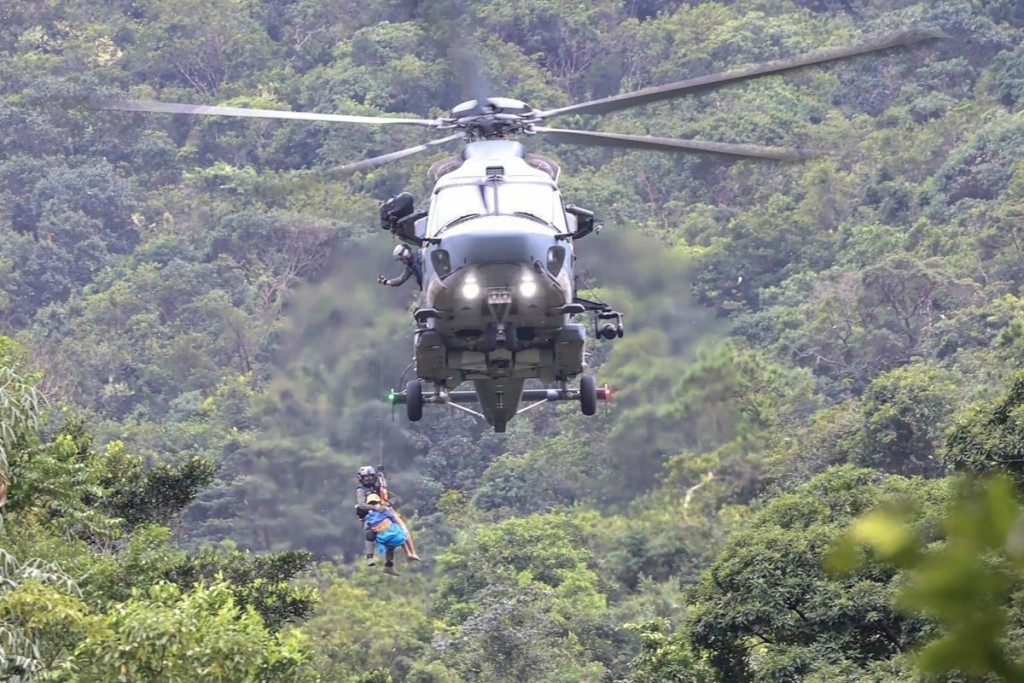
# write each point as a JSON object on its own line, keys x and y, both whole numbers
{"x": 498, "y": 290}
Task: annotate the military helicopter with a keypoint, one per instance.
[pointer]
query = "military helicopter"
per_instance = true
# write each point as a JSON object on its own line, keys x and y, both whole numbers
{"x": 499, "y": 300}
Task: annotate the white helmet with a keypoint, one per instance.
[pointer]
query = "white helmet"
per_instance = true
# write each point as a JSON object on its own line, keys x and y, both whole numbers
{"x": 401, "y": 251}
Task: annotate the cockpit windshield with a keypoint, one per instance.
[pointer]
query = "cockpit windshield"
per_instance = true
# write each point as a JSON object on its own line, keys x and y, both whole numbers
{"x": 527, "y": 198}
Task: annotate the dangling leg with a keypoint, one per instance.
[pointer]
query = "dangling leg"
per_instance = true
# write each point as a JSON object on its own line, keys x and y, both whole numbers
{"x": 370, "y": 547}
{"x": 409, "y": 548}
{"x": 389, "y": 562}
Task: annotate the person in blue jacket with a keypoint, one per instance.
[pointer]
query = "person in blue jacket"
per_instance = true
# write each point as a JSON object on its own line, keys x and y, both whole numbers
{"x": 388, "y": 531}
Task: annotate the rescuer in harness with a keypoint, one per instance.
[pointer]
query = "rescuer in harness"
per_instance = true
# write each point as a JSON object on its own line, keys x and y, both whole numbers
{"x": 372, "y": 483}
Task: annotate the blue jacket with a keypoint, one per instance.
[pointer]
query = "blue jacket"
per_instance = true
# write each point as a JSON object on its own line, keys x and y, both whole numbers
{"x": 375, "y": 517}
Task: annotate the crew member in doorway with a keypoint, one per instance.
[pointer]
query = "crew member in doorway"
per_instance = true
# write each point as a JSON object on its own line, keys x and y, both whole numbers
{"x": 413, "y": 263}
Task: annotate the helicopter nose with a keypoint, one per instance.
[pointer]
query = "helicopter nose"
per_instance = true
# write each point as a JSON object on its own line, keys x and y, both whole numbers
{"x": 493, "y": 244}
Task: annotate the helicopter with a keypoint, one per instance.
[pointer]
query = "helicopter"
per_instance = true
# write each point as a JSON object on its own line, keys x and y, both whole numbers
{"x": 499, "y": 304}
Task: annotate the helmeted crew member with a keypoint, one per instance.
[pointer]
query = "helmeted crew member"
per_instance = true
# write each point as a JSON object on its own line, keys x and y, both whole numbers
{"x": 371, "y": 483}
{"x": 387, "y": 530}
{"x": 413, "y": 263}
{"x": 367, "y": 484}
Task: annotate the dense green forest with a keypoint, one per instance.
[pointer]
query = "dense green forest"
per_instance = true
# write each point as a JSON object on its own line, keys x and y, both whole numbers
{"x": 813, "y": 463}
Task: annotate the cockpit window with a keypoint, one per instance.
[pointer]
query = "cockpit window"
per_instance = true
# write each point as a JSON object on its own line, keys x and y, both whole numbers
{"x": 506, "y": 196}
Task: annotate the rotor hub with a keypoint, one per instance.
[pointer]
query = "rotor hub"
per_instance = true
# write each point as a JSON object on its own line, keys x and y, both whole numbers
{"x": 493, "y": 118}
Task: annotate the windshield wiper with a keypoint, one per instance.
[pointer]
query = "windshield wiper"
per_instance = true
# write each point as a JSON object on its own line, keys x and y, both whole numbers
{"x": 462, "y": 219}
{"x": 532, "y": 217}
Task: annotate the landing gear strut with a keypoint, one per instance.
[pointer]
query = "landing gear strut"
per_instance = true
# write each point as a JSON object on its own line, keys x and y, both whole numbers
{"x": 588, "y": 395}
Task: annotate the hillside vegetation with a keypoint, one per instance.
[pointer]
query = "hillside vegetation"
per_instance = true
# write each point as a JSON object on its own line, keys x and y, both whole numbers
{"x": 812, "y": 465}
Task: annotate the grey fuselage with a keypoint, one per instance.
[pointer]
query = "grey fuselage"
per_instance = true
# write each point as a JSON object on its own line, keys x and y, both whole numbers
{"x": 497, "y": 277}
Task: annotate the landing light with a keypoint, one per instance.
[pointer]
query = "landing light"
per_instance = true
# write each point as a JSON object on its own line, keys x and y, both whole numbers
{"x": 470, "y": 289}
{"x": 527, "y": 288}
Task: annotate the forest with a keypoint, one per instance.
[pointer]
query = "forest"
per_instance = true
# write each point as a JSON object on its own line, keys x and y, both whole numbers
{"x": 811, "y": 470}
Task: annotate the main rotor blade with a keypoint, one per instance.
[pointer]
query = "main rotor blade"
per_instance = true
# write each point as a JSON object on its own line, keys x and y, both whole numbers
{"x": 588, "y": 137}
{"x": 606, "y": 105}
{"x": 393, "y": 156}
{"x": 175, "y": 108}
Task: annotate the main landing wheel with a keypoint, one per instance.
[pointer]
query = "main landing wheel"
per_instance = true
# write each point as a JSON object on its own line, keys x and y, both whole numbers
{"x": 414, "y": 400}
{"x": 588, "y": 394}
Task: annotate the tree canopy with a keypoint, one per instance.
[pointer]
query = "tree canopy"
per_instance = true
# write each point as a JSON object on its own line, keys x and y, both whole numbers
{"x": 811, "y": 466}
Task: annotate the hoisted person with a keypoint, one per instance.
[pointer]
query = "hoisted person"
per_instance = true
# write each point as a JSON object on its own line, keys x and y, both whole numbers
{"x": 388, "y": 532}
